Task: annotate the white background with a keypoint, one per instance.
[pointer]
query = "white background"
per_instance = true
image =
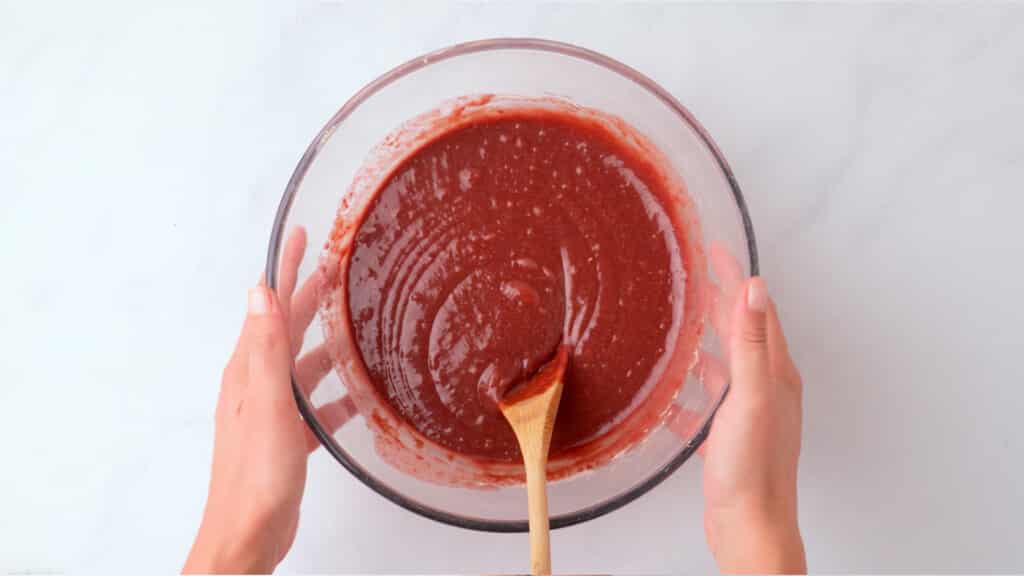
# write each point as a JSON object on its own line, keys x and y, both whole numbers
{"x": 144, "y": 147}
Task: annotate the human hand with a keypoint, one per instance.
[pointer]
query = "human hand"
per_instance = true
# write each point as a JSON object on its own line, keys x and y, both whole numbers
{"x": 751, "y": 453}
{"x": 261, "y": 444}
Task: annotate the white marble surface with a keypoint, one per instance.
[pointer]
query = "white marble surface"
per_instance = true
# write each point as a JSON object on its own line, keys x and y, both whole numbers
{"x": 144, "y": 146}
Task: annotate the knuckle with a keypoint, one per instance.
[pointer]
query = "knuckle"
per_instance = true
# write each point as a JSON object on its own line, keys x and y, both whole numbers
{"x": 754, "y": 335}
{"x": 270, "y": 339}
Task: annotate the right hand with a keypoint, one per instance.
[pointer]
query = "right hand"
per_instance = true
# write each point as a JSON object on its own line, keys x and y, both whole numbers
{"x": 751, "y": 453}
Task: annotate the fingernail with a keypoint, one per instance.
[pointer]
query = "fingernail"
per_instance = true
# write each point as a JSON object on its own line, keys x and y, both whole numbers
{"x": 259, "y": 301}
{"x": 757, "y": 295}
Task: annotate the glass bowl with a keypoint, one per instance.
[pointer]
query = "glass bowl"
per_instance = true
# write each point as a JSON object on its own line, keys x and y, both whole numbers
{"x": 322, "y": 186}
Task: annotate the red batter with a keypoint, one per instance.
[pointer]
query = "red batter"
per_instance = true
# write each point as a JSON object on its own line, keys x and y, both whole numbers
{"x": 499, "y": 240}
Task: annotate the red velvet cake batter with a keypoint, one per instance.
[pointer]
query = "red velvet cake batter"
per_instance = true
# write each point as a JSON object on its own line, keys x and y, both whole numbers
{"x": 496, "y": 242}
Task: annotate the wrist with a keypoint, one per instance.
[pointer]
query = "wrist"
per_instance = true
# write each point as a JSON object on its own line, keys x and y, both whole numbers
{"x": 219, "y": 551}
{"x": 756, "y": 539}
{"x": 774, "y": 550}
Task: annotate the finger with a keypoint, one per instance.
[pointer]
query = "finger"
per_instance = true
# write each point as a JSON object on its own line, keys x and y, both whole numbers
{"x": 749, "y": 363}
{"x": 304, "y": 306}
{"x": 311, "y": 368}
{"x": 727, "y": 269}
{"x": 312, "y": 442}
{"x": 685, "y": 424}
{"x": 307, "y": 299}
{"x": 721, "y": 315}
{"x": 266, "y": 339}
{"x": 332, "y": 416}
{"x": 723, "y": 297}
{"x": 712, "y": 374}
{"x": 291, "y": 257}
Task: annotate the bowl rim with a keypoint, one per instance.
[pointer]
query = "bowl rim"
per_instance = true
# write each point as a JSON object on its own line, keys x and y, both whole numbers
{"x": 277, "y": 235}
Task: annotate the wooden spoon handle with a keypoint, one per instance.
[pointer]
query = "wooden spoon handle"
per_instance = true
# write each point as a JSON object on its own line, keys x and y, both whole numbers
{"x": 537, "y": 494}
{"x": 531, "y": 412}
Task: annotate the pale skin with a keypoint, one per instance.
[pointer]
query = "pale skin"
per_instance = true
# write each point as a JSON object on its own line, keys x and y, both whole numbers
{"x": 261, "y": 444}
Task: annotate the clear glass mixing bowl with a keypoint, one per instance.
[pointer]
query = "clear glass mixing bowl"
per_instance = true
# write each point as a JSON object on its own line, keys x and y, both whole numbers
{"x": 534, "y": 69}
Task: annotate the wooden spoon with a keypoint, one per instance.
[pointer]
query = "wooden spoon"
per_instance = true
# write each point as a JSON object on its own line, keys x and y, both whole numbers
{"x": 531, "y": 408}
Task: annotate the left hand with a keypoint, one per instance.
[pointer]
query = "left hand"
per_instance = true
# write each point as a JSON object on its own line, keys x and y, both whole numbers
{"x": 261, "y": 444}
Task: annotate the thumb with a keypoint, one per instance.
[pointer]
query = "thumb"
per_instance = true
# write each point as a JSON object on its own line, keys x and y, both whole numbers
{"x": 266, "y": 335}
{"x": 749, "y": 359}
